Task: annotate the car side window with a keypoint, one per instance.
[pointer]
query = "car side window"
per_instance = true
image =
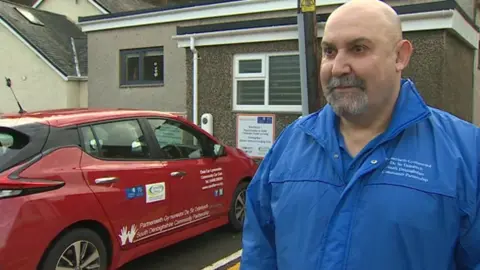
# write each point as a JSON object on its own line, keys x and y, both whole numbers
{"x": 116, "y": 140}
{"x": 178, "y": 141}
{"x": 89, "y": 142}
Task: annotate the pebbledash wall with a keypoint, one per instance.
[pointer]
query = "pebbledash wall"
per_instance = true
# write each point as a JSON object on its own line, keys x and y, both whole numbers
{"x": 442, "y": 66}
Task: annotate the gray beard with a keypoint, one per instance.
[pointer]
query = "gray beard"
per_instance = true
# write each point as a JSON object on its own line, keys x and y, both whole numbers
{"x": 348, "y": 103}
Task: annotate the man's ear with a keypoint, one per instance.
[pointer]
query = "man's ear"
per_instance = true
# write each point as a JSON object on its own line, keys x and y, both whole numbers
{"x": 404, "y": 52}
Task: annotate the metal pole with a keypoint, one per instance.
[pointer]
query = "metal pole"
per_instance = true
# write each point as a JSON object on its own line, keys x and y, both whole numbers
{"x": 307, "y": 42}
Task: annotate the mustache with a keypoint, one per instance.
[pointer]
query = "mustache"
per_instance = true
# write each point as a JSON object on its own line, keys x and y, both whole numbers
{"x": 345, "y": 81}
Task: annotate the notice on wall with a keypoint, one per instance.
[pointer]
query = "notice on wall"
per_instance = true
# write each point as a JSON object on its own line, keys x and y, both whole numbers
{"x": 255, "y": 133}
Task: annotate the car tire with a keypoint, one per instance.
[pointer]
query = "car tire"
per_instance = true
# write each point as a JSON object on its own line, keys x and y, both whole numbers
{"x": 237, "y": 201}
{"x": 67, "y": 244}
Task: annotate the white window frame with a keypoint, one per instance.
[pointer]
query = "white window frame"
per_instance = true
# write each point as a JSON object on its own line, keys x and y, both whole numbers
{"x": 264, "y": 57}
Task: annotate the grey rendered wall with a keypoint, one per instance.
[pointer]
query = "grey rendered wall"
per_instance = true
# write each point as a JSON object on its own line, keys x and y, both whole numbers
{"x": 104, "y": 62}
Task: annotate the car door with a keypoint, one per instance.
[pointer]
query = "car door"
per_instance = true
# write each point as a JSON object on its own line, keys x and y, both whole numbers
{"x": 130, "y": 183}
{"x": 197, "y": 183}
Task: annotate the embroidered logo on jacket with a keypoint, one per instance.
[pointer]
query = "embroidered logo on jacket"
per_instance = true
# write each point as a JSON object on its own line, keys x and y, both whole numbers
{"x": 408, "y": 168}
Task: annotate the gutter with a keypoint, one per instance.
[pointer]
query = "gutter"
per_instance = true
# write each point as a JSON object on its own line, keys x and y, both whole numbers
{"x": 98, "y": 6}
{"x": 441, "y": 19}
{"x": 75, "y": 57}
{"x": 37, "y": 3}
{"x": 282, "y": 28}
{"x": 77, "y": 78}
{"x": 195, "y": 80}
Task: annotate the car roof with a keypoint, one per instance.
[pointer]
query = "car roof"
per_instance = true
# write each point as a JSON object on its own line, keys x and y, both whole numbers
{"x": 79, "y": 116}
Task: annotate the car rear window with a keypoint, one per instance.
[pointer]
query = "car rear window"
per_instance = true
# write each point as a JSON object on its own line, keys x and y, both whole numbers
{"x": 11, "y": 142}
{"x": 20, "y": 143}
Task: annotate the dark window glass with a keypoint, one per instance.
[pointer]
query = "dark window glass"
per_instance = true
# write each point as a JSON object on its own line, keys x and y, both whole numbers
{"x": 142, "y": 66}
{"x": 116, "y": 140}
{"x": 177, "y": 141}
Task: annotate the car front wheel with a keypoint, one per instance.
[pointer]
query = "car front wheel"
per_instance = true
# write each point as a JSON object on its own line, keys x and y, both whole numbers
{"x": 78, "y": 249}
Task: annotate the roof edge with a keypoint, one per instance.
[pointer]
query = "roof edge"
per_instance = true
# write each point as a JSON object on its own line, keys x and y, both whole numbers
{"x": 190, "y": 12}
{"x": 401, "y": 10}
{"x": 37, "y": 3}
{"x": 134, "y": 13}
{"x": 447, "y": 19}
{"x": 93, "y": 2}
{"x": 99, "y": 6}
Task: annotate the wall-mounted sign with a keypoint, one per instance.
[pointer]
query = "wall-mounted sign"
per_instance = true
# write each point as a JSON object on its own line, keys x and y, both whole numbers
{"x": 255, "y": 133}
{"x": 308, "y": 5}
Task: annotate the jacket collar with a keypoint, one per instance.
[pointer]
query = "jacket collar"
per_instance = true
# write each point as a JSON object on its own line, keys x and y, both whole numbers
{"x": 409, "y": 109}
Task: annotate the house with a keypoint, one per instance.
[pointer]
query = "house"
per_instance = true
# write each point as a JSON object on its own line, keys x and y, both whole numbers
{"x": 79, "y": 8}
{"x": 44, "y": 53}
{"x": 238, "y": 61}
{"x": 45, "y": 56}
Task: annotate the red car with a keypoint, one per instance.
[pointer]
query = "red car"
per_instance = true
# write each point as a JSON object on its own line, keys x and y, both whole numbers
{"x": 95, "y": 189}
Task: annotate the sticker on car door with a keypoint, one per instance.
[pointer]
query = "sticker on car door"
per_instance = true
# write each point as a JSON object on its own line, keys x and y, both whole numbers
{"x": 170, "y": 222}
{"x": 134, "y": 192}
{"x": 213, "y": 178}
{"x": 155, "y": 192}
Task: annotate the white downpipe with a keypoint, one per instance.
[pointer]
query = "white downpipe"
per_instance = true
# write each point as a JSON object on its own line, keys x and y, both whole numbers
{"x": 195, "y": 80}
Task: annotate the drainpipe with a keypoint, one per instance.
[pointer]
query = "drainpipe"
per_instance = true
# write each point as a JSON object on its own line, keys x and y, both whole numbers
{"x": 195, "y": 80}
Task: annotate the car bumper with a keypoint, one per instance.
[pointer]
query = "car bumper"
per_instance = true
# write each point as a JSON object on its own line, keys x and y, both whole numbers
{"x": 32, "y": 222}
{"x": 21, "y": 243}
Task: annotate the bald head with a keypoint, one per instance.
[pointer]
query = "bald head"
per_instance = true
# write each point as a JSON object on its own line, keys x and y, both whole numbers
{"x": 373, "y": 13}
{"x": 363, "y": 51}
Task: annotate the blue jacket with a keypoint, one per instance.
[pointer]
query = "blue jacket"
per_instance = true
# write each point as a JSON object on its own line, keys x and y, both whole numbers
{"x": 412, "y": 203}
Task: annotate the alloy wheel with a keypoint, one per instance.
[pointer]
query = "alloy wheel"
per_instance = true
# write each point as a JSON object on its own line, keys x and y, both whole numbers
{"x": 240, "y": 206}
{"x": 81, "y": 255}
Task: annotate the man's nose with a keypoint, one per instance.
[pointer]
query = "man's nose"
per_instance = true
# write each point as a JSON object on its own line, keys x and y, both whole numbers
{"x": 341, "y": 65}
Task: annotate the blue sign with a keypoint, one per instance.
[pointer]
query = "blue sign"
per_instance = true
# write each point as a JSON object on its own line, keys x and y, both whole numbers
{"x": 140, "y": 191}
{"x": 264, "y": 120}
{"x": 218, "y": 192}
{"x": 134, "y": 192}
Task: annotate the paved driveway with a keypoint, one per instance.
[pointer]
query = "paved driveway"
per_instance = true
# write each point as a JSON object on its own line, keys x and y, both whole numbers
{"x": 192, "y": 254}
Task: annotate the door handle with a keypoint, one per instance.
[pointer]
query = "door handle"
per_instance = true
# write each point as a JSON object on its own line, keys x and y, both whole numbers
{"x": 178, "y": 174}
{"x": 106, "y": 180}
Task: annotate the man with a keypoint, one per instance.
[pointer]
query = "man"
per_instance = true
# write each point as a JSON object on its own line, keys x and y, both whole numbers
{"x": 376, "y": 180}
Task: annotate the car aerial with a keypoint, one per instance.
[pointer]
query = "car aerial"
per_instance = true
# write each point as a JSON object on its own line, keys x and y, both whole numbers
{"x": 97, "y": 188}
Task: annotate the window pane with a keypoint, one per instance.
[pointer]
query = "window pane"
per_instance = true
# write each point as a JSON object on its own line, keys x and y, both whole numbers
{"x": 250, "y": 66}
{"x": 176, "y": 142}
{"x": 251, "y": 92}
{"x": 89, "y": 142}
{"x": 121, "y": 140}
{"x": 132, "y": 67}
{"x": 12, "y": 143}
{"x": 153, "y": 66}
{"x": 6, "y": 140}
{"x": 284, "y": 80}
